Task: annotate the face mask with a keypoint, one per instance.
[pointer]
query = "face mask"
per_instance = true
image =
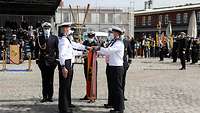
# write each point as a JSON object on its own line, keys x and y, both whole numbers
{"x": 110, "y": 37}
{"x": 90, "y": 39}
{"x": 47, "y": 32}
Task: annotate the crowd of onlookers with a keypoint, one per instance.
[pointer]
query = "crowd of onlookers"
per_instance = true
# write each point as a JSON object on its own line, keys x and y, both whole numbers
{"x": 23, "y": 35}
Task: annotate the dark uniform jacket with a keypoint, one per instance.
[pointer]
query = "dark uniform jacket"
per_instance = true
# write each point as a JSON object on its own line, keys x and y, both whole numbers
{"x": 182, "y": 44}
{"x": 46, "y": 50}
{"x": 128, "y": 53}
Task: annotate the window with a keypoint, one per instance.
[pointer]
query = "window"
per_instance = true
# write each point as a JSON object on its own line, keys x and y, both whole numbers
{"x": 166, "y": 19}
{"x": 143, "y": 20}
{"x": 81, "y": 17}
{"x": 66, "y": 17}
{"x": 198, "y": 16}
{"x": 160, "y": 18}
{"x": 102, "y": 18}
{"x": 178, "y": 18}
{"x": 95, "y": 18}
{"x": 110, "y": 18}
{"x": 88, "y": 18}
{"x": 118, "y": 19}
{"x": 185, "y": 18}
{"x": 135, "y": 21}
{"x": 149, "y": 20}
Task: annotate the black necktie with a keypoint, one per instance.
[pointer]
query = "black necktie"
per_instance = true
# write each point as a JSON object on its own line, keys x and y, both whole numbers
{"x": 112, "y": 43}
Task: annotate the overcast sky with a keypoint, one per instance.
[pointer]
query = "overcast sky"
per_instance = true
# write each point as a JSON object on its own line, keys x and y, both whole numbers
{"x": 139, "y": 4}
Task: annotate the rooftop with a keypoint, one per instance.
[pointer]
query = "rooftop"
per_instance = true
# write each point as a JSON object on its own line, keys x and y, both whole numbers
{"x": 168, "y": 9}
{"x": 29, "y": 7}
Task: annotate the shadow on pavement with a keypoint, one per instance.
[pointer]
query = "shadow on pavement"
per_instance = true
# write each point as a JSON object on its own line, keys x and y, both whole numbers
{"x": 42, "y": 108}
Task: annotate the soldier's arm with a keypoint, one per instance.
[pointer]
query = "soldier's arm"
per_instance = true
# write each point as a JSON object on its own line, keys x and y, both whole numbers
{"x": 78, "y": 46}
{"x": 36, "y": 48}
{"x": 110, "y": 50}
{"x": 129, "y": 51}
{"x": 57, "y": 51}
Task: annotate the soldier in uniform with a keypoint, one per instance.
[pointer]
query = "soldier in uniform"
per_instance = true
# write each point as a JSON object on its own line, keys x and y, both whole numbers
{"x": 46, "y": 53}
{"x": 182, "y": 48}
{"x": 195, "y": 52}
{"x": 128, "y": 55}
{"x": 66, "y": 47}
{"x": 188, "y": 51}
{"x": 89, "y": 42}
{"x": 115, "y": 53}
{"x": 175, "y": 50}
{"x": 163, "y": 48}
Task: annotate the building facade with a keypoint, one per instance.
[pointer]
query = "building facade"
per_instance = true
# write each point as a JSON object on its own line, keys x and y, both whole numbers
{"x": 98, "y": 19}
{"x": 147, "y": 21}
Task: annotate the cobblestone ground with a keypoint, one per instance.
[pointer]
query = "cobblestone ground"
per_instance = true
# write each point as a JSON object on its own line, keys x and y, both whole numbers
{"x": 152, "y": 87}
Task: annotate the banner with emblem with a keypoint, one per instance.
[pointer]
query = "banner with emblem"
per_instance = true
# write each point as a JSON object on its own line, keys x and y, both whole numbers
{"x": 91, "y": 86}
{"x": 14, "y": 54}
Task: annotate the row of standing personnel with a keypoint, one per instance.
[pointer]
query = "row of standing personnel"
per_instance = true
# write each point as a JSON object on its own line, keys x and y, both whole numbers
{"x": 49, "y": 48}
{"x": 184, "y": 48}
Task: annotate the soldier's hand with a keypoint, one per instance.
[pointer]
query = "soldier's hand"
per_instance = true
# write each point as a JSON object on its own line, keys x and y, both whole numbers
{"x": 65, "y": 72}
{"x": 37, "y": 61}
{"x": 96, "y": 48}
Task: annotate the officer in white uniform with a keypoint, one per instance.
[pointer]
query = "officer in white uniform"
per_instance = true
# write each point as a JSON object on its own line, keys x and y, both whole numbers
{"x": 115, "y": 53}
{"x": 66, "y": 47}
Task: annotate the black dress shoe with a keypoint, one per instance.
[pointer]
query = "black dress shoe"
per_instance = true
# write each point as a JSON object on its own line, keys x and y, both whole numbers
{"x": 44, "y": 100}
{"x": 108, "y": 106}
{"x": 72, "y": 106}
{"x": 182, "y": 68}
{"x": 84, "y": 98}
{"x": 125, "y": 99}
{"x": 115, "y": 111}
{"x": 50, "y": 100}
{"x": 68, "y": 111}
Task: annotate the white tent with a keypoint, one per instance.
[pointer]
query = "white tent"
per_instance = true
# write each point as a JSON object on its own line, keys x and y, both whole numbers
{"x": 192, "y": 28}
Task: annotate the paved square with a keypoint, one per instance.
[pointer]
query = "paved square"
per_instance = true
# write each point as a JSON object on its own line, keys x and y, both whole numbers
{"x": 152, "y": 87}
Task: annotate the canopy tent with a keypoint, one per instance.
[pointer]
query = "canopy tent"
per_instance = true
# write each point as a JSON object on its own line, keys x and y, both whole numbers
{"x": 29, "y": 7}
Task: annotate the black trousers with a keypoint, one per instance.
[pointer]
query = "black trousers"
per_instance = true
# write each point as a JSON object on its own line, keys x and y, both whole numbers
{"x": 194, "y": 56}
{"x": 109, "y": 81}
{"x": 47, "y": 72}
{"x": 85, "y": 68}
{"x": 182, "y": 58}
{"x": 174, "y": 54}
{"x": 65, "y": 88}
{"x": 124, "y": 79}
{"x": 116, "y": 74}
{"x": 161, "y": 54}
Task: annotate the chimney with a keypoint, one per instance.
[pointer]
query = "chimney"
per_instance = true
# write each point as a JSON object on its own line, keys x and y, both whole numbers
{"x": 145, "y": 5}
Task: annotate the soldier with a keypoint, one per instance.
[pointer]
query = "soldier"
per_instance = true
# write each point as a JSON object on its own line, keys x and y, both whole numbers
{"x": 128, "y": 55}
{"x": 195, "y": 52}
{"x": 188, "y": 49}
{"x": 65, "y": 67}
{"x": 115, "y": 53}
{"x": 46, "y": 53}
{"x": 108, "y": 75}
{"x": 89, "y": 42}
{"x": 175, "y": 50}
{"x": 182, "y": 48}
{"x": 163, "y": 48}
